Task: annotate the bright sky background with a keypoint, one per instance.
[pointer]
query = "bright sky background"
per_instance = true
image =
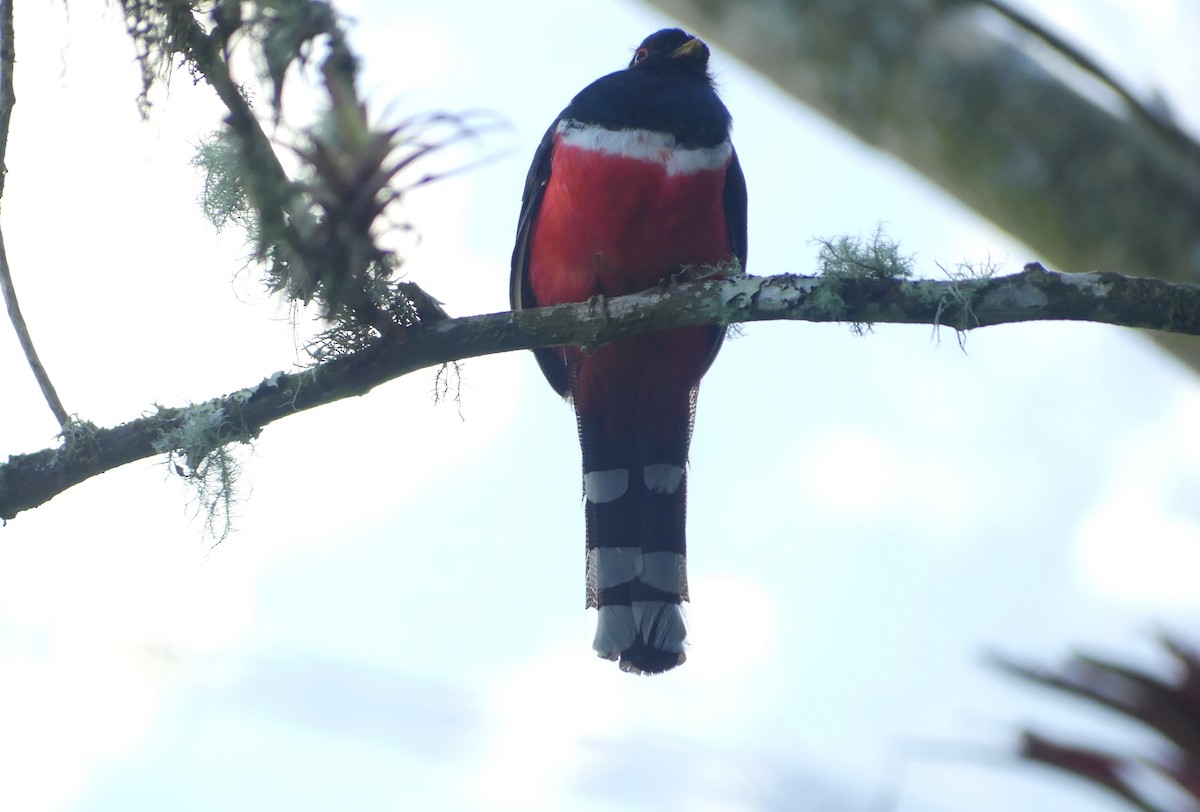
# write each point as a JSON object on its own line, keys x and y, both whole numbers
{"x": 397, "y": 622}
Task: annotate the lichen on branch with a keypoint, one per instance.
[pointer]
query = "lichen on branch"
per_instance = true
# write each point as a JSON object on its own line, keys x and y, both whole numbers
{"x": 1035, "y": 294}
{"x": 199, "y": 443}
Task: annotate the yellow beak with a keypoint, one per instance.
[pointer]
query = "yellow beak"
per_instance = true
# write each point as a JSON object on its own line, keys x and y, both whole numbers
{"x": 688, "y": 48}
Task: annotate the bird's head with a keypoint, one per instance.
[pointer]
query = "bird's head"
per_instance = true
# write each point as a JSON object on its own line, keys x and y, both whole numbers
{"x": 672, "y": 49}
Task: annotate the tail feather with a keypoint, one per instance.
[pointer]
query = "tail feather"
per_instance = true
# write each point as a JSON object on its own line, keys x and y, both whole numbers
{"x": 659, "y": 643}
{"x": 636, "y": 566}
{"x": 616, "y": 631}
{"x": 635, "y": 402}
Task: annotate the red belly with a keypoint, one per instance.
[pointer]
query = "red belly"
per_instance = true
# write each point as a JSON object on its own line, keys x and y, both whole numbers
{"x": 613, "y": 225}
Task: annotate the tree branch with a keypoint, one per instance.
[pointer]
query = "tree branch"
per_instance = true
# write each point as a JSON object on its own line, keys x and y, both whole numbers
{"x": 942, "y": 87}
{"x": 8, "y": 99}
{"x": 1035, "y": 294}
{"x": 1157, "y": 121}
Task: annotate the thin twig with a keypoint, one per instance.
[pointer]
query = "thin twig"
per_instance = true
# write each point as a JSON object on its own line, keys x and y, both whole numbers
{"x": 1157, "y": 122}
{"x": 8, "y": 98}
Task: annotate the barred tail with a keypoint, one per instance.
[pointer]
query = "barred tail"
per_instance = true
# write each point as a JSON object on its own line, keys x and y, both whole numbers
{"x": 635, "y": 505}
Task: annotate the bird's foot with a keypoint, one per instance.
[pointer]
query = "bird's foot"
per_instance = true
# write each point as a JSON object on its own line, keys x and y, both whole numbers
{"x": 597, "y": 303}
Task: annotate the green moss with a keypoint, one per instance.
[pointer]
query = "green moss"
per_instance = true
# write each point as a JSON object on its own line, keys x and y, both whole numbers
{"x": 876, "y": 257}
{"x": 956, "y": 304}
{"x": 199, "y": 446}
{"x": 224, "y": 199}
{"x": 872, "y": 259}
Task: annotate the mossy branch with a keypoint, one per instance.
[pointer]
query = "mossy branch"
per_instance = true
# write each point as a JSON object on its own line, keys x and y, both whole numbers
{"x": 314, "y": 234}
{"x": 952, "y": 88}
{"x": 1035, "y": 294}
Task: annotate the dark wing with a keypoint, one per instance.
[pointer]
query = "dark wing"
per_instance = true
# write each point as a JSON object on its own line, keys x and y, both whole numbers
{"x": 521, "y": 297}
{"x": 733, "y": 198}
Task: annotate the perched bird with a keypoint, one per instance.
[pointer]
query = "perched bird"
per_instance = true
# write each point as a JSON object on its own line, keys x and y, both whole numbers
{"x": 634, "y": 181}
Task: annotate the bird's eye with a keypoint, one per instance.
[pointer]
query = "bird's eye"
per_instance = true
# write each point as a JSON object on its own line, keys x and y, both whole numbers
{"x": 640, "y": 55}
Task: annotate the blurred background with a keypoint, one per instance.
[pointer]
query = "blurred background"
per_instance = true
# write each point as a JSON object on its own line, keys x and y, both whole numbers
{"x": 396, "y": 621}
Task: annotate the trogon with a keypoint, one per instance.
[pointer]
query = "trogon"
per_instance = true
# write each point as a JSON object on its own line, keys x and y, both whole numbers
{"x": 634, "y": 183}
